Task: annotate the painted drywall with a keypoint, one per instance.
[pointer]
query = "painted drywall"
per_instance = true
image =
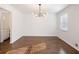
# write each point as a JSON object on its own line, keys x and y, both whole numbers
{"x": 29, "y": 25}
{"x": 40, "y": 26}
{"x": 16, "y": 22}
{"x": 72, "y": 35}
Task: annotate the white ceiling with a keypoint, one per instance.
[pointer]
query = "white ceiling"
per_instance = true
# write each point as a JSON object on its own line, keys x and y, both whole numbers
{"x": 29, "y": 8}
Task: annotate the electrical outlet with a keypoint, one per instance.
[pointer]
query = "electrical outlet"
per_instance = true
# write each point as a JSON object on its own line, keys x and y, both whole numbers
{"x": 76, "y": 45}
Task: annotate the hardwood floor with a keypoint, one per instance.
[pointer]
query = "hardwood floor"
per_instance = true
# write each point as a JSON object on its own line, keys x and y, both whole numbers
{"x": 5, "y": 46}
{"x": 54, "y": 45}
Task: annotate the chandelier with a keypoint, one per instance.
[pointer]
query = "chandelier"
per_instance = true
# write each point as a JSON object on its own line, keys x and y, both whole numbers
{"x": 41, "y": 10}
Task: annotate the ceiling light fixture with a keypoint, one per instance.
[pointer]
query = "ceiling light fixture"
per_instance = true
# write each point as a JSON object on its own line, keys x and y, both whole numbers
{"x": 41, "y": 11}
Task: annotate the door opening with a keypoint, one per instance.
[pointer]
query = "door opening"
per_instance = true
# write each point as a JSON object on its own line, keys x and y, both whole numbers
{"x": 5, "y": 28}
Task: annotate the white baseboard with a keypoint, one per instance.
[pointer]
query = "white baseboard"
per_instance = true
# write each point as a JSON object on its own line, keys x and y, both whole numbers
{"x": 41, "y": 35}
{"x": 1, "y": 41}
{"x": 31, "y": 36}
{"x": 68, "y": 43}
{"x": 12, "y": 41}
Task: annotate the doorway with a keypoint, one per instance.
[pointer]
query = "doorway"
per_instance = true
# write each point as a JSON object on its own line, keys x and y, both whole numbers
{"x": 5, "y": 28}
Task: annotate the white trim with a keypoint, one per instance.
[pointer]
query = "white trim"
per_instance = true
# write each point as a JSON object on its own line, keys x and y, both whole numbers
{"x": 68, "y": 43}
{"x": 31, "y": 36}
{"x": 1, "y": 41}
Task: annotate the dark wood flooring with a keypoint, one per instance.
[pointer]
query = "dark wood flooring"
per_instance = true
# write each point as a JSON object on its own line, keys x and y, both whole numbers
{"x": 54, "y": 45}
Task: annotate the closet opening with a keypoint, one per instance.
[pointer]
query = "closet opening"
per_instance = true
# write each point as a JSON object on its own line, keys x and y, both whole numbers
{"x": 5, "y": 29}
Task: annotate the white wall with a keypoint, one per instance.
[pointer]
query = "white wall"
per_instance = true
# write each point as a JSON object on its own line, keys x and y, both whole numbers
{"x": 17, "y": 21}
{"x": 28, "y": 25}
{"x": 72, "y": 35}
{"x": 35, "y": 26}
